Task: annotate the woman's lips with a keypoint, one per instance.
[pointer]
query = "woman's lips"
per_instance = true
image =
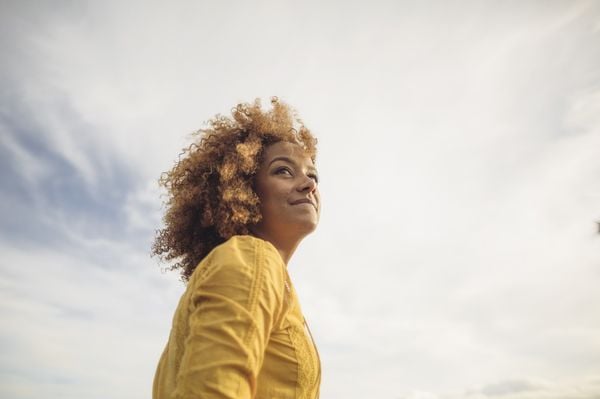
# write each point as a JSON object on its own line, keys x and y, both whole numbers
{"x": 304, "y": 201}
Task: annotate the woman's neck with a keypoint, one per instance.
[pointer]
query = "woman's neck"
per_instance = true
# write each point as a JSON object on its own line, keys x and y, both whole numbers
{"x": 285, "y": 247}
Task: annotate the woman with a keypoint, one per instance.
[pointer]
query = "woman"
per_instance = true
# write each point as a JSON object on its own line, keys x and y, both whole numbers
{"x": 241, "y": 199}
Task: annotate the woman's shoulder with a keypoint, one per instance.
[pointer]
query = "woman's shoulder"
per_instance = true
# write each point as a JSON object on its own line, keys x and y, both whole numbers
{"x": 245, "y": 247}
{"x": 242, "y": 254}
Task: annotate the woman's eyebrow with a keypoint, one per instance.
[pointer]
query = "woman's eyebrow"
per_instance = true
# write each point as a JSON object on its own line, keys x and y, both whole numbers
{"x": 282, "y": 158}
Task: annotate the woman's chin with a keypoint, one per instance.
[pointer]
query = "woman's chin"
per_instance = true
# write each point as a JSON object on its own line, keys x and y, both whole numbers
{"x": 307, "y": 227}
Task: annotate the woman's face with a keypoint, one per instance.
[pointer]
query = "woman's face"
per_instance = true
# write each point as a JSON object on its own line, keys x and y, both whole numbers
{"x": 286, "y": 184}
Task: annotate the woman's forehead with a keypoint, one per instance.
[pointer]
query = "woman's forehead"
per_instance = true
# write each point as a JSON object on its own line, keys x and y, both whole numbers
{"x": 284, "y": 149}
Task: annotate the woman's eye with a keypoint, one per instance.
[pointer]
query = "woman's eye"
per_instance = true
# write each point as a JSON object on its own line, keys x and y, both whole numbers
{"x": 314, "y": 177}
{"x": 284, "y": 171}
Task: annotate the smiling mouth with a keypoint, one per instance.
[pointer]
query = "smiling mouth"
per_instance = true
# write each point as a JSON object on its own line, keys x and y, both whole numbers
{"x": 305, "y": 202}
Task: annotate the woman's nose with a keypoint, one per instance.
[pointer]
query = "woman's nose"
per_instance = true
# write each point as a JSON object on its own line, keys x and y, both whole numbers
{"x": 308, "y": 184}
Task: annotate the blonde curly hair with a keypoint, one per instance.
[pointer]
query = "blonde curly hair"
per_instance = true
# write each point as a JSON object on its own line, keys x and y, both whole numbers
{"x": 210, "y": 190}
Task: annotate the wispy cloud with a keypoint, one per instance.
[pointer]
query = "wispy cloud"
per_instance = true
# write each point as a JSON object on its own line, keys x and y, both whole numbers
{"x": 586, "y": 388}
{"x": 458, "y": 156}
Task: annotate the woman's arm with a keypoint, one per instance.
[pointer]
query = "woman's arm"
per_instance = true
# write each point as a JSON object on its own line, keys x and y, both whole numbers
{"x": 233, "y": 310}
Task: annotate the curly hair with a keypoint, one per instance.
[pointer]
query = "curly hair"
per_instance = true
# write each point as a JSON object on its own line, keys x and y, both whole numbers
{"x": 210, "y": 189}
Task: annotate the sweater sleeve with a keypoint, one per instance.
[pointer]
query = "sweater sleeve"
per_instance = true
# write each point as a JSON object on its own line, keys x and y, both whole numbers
{"x": 233, "y": 309}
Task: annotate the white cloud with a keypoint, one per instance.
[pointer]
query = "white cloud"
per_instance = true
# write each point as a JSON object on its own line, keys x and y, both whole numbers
{"x": 76, "y": 327}
{"x": 458, "y": 157}
{"x": 586, "y": 388}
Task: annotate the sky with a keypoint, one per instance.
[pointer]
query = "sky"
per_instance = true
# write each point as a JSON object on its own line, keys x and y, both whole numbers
{"x": 458, "y": 254}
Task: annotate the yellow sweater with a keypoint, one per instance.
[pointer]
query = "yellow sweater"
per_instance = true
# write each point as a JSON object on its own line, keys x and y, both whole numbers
{"x": 238, "y": 331}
